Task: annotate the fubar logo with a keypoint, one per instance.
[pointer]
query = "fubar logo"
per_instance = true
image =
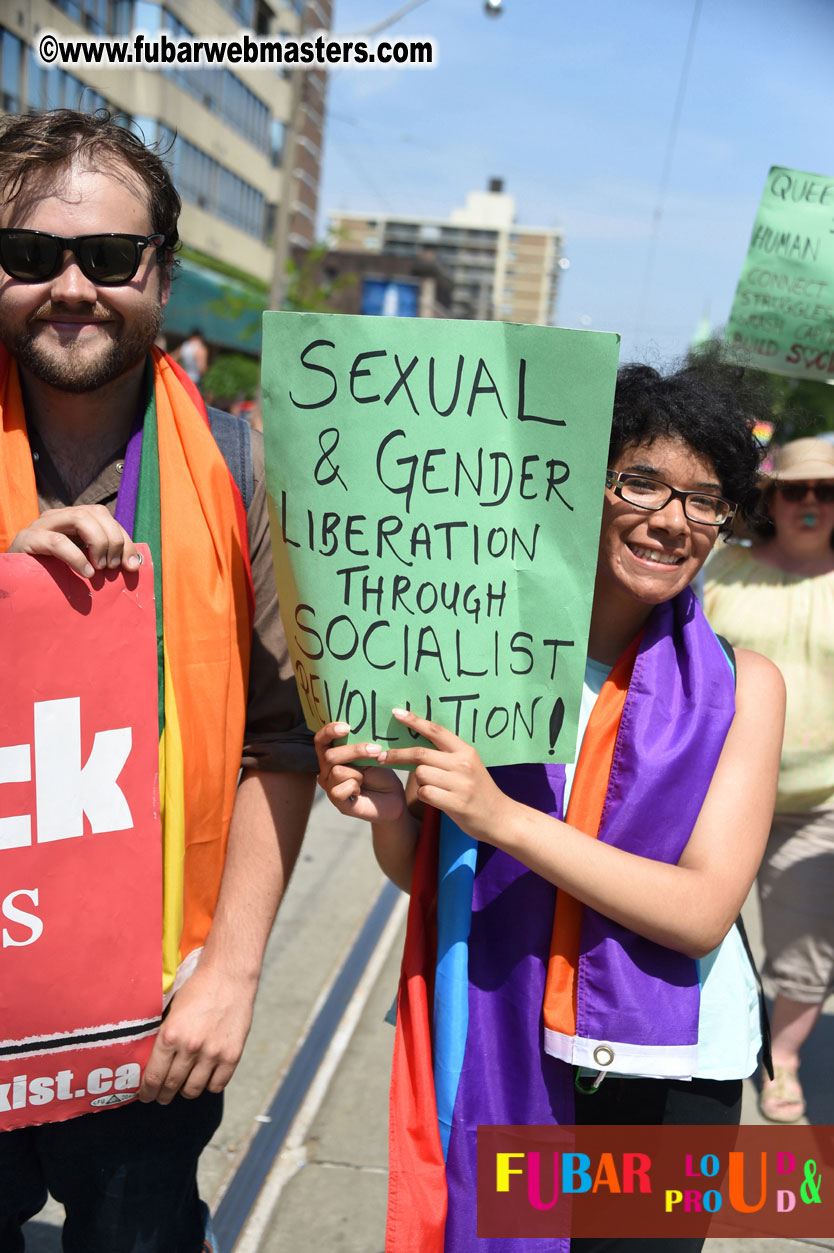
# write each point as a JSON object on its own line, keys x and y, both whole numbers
{"x": 655, "y": 1182}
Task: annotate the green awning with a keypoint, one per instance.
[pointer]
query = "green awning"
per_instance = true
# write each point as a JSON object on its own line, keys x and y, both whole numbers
{"x": 226, "y": 310}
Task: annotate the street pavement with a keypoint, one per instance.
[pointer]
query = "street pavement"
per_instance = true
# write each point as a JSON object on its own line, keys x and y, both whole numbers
{"x": 334, "y": 885}
{"x": 343, "y": 1179}
{"x": 329, "y": 1188}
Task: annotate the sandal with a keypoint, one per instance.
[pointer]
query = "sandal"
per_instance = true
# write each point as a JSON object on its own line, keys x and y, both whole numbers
{"x": 781, "y": 1098}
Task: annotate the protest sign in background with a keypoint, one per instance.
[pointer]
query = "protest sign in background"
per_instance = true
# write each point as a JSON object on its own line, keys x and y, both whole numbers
{"x": 783, "y": 311}
{"x": 435, "y": 491}
{"x": 80, "y": 844}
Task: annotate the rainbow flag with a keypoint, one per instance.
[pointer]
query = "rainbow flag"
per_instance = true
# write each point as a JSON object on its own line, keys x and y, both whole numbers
{"x": 469, "y": 1042}
{"x": 507, "y": 984}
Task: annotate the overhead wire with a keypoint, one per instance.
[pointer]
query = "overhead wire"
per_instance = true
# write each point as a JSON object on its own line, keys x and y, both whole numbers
{"x": 663, "y": 186}
{"x": 348, "y": 155}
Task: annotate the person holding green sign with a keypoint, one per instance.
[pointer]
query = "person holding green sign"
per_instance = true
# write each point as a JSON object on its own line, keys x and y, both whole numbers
{"x": 574, "y": 924}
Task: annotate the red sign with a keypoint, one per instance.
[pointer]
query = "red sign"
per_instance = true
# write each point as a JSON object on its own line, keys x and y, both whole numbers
{"x": 655, "y": 1182}
{"x": 80, "y": 840}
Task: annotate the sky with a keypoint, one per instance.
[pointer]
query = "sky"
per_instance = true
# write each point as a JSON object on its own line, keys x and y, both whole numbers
{"x": 572, "y": 102}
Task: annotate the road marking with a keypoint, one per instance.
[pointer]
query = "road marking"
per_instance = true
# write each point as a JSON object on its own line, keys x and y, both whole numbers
{"x": 277, "y": 1151}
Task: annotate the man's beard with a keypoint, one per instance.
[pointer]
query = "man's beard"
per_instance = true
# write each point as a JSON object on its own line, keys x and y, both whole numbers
{"x": 70, "y": 367}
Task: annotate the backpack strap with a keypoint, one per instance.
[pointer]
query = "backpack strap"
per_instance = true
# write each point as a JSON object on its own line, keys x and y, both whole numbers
{"x": 764, "y": 1019}
{"x": 233, "y": 437}
{"x": 730, "y": 651}
{"x": 767, "y": 1059}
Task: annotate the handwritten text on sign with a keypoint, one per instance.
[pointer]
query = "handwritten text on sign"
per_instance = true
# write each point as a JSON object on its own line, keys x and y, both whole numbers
{"x": 783, "y": 312}
{"x": 80, "y": 903}
{"x": 435, "y": 493}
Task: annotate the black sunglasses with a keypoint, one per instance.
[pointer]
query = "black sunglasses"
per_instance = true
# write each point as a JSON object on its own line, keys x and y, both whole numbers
{"x": 794, "y": 492}
{"x": 107, "y": 260}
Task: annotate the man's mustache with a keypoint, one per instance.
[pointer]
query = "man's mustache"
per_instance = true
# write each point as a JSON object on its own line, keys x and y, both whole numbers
{"x": 95, "y": 313}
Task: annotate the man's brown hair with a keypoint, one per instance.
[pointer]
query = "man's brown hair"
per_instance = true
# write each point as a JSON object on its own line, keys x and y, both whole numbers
{"x": 35, "y": 147}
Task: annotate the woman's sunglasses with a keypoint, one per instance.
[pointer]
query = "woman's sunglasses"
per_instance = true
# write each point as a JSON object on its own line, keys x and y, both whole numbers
{"x": 107, "y": 260}
{"x": 794, "y": 492}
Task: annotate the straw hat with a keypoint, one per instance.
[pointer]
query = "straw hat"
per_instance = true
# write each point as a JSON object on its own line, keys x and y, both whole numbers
{"x": 803, "y": 459}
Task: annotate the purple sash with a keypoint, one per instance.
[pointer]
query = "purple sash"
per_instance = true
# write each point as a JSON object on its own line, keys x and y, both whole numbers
{"x": 680, "y": 703}
{"x": 678, "y": 710}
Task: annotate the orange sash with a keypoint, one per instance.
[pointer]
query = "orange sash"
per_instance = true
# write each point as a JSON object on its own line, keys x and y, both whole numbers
{"x": 587, "y": 799}
{"x": 207, "y": 637}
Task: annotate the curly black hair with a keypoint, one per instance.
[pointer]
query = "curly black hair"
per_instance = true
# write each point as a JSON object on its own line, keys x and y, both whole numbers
{"x": 709, "y": 405}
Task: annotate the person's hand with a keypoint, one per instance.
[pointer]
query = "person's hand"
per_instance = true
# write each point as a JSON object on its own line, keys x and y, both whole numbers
{"x": 87, "y": 537}
{"x": 201, "y": 1038}
{"x": 451, "y": 777}
{"x": 370, "y": 792}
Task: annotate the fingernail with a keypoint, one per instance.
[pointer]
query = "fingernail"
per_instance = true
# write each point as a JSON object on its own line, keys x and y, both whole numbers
{"x": 88, "y": 571}
{"x": 101, "y": 563}
{"x": 400, "y": 713}
{"x": 341, "y": 728}
{"x": 372, "y": 750}
{"x": 134, "y": 561}
{"x": 382, "y": 756}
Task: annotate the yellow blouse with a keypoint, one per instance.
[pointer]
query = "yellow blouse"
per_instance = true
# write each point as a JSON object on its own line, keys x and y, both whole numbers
{"x": 790, "y": 619}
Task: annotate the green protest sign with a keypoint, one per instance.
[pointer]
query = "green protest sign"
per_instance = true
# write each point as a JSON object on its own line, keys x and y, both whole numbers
{"x": 435, "y": 490}
{"x": 783, "y": 312}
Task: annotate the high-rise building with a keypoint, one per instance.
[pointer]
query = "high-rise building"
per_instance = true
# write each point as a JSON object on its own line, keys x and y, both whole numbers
{"x": 230, "y": 122}
{"x": 500, "y": 269}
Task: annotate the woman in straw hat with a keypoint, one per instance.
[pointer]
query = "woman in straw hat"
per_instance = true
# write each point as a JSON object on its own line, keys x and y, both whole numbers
{"x": 778, "y": 597}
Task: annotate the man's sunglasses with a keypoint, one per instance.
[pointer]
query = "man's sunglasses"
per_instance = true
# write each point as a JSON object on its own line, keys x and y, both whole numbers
{"x": 107, "y": 260}
{"x": 794, "y": 492}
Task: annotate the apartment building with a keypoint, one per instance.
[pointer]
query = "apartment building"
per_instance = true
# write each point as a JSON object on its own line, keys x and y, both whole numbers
{"x": 500, "y": 269}
{"x": 230, "y": 123}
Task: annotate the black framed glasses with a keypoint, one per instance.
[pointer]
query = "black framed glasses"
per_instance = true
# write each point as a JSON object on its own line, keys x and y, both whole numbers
{"x": 794, "y": 492}
{"x": 646, "y": 493}
{"x": 106, "y": 260}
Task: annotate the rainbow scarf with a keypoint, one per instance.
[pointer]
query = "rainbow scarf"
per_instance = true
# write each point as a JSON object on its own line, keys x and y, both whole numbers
{"x": 178, "y": 497}
{"x": 489, "y": 943}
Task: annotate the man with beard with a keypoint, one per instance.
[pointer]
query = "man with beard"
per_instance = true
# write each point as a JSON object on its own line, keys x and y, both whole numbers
{"x": 104, "y": 441}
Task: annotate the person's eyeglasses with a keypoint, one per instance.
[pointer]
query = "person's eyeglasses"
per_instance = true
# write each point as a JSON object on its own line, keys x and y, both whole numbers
{"x": 794, "y": 492}
{"x": 107, "y": 260}
{"x": 646, "y": 493}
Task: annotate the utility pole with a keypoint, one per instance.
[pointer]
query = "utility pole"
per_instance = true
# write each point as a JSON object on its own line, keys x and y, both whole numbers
{"x": 278, "y": 286}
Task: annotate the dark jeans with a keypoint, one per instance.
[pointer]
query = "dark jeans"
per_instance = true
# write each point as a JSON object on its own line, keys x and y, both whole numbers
{"x": 664, "y": 1102}
{"x": 127, "y": 1177}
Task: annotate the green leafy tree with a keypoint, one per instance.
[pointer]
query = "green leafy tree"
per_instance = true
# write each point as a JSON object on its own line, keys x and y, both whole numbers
{"x": 802, "y": 407}
{"x": 307, "y": 292}
{"x": 799, "y": 407}
{"x": 231, "y": 377}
